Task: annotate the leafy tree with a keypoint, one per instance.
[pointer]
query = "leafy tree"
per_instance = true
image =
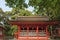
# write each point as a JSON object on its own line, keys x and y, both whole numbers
{"x": 47, "y": 7}
{"x": 41, "y": 7}
{"x": 1, "y": 13}
{"x": 20, "y": 12}
{"x": 14, "y": 13}
{"x": 16, "y": 4}
{"x": 25, "y": 13}
{"x": 50, "y": 8}
{"x": 3, "y": 20}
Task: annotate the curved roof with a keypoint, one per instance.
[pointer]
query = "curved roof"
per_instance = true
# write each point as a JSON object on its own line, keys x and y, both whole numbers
{"x": 41, "y": 20}
{"x": 31, "y": 18}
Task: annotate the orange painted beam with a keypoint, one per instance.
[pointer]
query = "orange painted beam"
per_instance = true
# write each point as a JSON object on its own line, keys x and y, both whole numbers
{"x": 39, "y": 23}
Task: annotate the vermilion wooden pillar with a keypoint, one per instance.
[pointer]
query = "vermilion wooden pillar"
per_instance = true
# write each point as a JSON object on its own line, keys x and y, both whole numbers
{"x": 27, "y": 31}
{"x": 58, "y": 31}
{"x": 37, "y": 30}
{"x": 47, "y": 32}
{"x": 19, "y": 31}
{"x": 37, "y": 33}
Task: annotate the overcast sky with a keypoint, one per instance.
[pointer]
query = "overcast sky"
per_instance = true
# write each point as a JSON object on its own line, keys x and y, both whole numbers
{"x": 6, "y": 8}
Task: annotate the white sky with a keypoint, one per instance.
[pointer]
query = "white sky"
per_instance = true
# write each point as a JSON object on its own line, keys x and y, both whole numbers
{"x": 6, "y": 8}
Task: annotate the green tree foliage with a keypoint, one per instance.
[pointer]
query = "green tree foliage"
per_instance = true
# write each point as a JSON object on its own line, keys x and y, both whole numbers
{"x": 1, "y": 14}
{"x": 4, "y": 16}
{"x": 20, "y": 12}
{"x": 10, "y": 30}
{"x": 49, "y": 8}
{"x": 24, "y": 13}
{"x": 16, "y": 4}
{"x": 1, "y": 11}
{"x": 41, "y": 7}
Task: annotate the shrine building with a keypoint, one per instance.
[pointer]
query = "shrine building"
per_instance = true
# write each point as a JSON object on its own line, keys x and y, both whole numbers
{"x": 32, "y": 27}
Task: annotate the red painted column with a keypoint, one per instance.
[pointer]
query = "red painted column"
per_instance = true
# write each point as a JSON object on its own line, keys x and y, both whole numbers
{"x": 37, "y": 33}
{"x": 27, "y": 32}
{"x": 37, "y": 30}
{"x": 19, "y": 31}
{"x": 59, "y": 31}
{"x": 47, "y": 32}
